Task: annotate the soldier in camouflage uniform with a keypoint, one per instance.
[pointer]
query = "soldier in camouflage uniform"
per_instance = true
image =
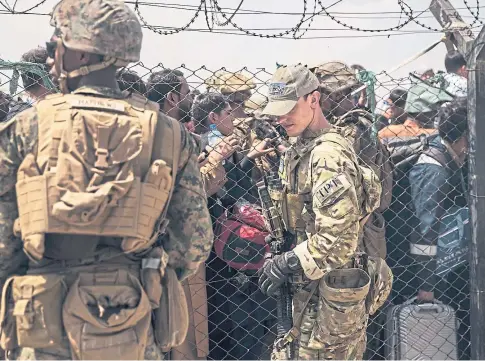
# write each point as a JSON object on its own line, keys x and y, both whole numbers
{"x": 337, "y": 82}
{"x": 236, "y": 87}
{"x": 173, "y": 229}
{"x": 327, "y": 197}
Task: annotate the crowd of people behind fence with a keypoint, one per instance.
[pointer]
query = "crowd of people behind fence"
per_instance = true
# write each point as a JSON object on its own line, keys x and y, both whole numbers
{"x": 421, "y": 163}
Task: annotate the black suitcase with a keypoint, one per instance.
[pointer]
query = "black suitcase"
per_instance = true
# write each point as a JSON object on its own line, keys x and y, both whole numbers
{"x": 421, "y": 332}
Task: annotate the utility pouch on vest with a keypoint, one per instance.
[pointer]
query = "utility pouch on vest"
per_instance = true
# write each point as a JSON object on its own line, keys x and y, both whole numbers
{"x": 342, "y": 315}
{"x": 33, "y": 311}
{"x": 107, "y": 317}
{"x": 381, "y": 284}
{"x": 374, "y": 236}
{"x": 171, "y": 318}
{"x": 153, "y": 267}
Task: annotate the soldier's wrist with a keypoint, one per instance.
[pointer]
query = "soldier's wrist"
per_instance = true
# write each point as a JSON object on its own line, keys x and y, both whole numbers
{"x": 292, "y": 261}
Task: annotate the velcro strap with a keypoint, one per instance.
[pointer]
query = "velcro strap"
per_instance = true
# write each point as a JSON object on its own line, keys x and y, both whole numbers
{"x": 20, "y": 307}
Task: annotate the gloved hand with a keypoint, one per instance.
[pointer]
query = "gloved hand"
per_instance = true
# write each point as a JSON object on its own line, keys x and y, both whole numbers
{"x": 276, "y": 270}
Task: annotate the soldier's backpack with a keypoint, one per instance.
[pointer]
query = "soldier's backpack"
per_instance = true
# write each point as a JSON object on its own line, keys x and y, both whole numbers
{"x": 358, "y": 127}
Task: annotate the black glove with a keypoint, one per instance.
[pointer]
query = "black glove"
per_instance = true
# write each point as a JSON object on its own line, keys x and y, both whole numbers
{"x": 276, "y": 270}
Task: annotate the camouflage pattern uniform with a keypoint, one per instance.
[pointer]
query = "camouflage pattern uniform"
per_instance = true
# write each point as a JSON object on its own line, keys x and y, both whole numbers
{"x": 358, "y": 127}
{"x": 327, "y": 195}
{"x": 189, "y": 234}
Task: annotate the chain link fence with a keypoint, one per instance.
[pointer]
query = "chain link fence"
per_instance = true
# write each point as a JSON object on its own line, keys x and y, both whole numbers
{"x": 423, "y": 232}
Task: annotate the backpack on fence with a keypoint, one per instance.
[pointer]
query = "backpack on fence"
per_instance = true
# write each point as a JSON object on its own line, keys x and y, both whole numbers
{"x": 240, "y": 238}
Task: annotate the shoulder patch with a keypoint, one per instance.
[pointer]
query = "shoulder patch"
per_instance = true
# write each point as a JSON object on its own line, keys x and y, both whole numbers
{"x": 329, "y": 191}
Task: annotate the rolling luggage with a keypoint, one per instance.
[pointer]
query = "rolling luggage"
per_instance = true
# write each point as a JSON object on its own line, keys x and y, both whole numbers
{"x": 421, "y": 332}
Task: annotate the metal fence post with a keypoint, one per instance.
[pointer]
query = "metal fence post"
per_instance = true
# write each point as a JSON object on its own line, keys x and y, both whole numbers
{"x": 476, "y": 124}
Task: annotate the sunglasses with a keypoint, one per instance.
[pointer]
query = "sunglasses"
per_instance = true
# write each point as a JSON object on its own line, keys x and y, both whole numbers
{"x": 51, "y": 47}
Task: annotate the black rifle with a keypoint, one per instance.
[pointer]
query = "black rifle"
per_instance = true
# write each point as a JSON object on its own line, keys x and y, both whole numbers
{"x": 279, "y": 241}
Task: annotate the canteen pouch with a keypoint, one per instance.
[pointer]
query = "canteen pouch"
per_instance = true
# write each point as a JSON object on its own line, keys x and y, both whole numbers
{"x": 107, "y": 316}
{"x": 172, "y": 317}
{"x": 342, "y": 316}
{"x": 8, "y": 327}
{"x": 37, "y": 304}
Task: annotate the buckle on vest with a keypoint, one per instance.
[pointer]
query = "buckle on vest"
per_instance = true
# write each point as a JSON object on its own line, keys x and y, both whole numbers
{"x": 101, "y": 158}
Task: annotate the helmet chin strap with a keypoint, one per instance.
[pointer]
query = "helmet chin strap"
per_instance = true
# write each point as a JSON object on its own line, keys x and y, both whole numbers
{"x": 82, "y": 71}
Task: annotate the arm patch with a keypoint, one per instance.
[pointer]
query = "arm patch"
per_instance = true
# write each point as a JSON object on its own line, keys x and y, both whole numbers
{"x": 330, "y": 190}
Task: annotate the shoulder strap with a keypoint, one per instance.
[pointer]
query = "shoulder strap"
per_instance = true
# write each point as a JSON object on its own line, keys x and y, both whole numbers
{"x": 148, "y": 124}
{"x": 359, "y": 113}
{"x": 50, "y": 128}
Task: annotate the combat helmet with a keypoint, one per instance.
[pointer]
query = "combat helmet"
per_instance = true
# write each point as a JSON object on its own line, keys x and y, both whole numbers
{"x": 255, "y": 104}
{"x": 335, "y": 76}
{"x": 104, "y": 27}
{"x": 235, "y": 86}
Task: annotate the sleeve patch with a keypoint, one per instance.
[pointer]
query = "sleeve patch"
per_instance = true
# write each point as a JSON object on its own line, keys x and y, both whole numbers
{"x": 327, "y": 192}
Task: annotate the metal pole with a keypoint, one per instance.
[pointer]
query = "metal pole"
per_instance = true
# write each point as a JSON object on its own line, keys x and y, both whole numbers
{"x": 460, "y": 34}
{"x": 476, "y": 139}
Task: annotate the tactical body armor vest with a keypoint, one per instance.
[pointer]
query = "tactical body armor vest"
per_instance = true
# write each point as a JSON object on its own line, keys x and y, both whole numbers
{"x": 296, "y": 200}
{"x": 93, "y": 172}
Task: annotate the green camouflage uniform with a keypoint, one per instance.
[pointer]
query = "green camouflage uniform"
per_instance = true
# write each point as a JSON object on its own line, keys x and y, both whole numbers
{"x": 189, "y": 229}
{"x": 95, "y": 26}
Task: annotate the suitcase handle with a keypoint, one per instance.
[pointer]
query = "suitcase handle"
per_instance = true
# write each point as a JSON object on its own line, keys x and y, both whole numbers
{"x": 414, "y": 299}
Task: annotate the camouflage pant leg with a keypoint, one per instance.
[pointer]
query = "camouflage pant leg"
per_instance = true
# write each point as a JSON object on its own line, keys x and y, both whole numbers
{"x": 152, "y": 352}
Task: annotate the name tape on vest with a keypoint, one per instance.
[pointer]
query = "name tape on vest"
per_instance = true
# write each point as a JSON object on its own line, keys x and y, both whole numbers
{"x": 97, "y": 104}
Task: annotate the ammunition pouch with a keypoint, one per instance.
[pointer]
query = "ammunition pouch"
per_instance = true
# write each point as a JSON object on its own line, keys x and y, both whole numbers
{"x": 31, "y": 311}
{"x": 98, "y": 312}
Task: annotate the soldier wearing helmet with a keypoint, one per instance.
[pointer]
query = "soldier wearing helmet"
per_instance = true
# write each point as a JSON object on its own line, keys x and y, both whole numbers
{"x": 337, "y": 82}
{"x": 236, "y": 87}
{"x": 107, "y": 200}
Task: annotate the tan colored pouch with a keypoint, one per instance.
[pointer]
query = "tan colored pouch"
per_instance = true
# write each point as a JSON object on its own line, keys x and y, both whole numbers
{"x": 171, "y": 318}
{"x": 37, "y": 301}
{"x": 342, "y": 315}
{"x": 107, "y": 317}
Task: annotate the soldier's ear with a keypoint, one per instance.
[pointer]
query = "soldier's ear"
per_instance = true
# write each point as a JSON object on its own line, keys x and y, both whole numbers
{"x": 314, "y": 99}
